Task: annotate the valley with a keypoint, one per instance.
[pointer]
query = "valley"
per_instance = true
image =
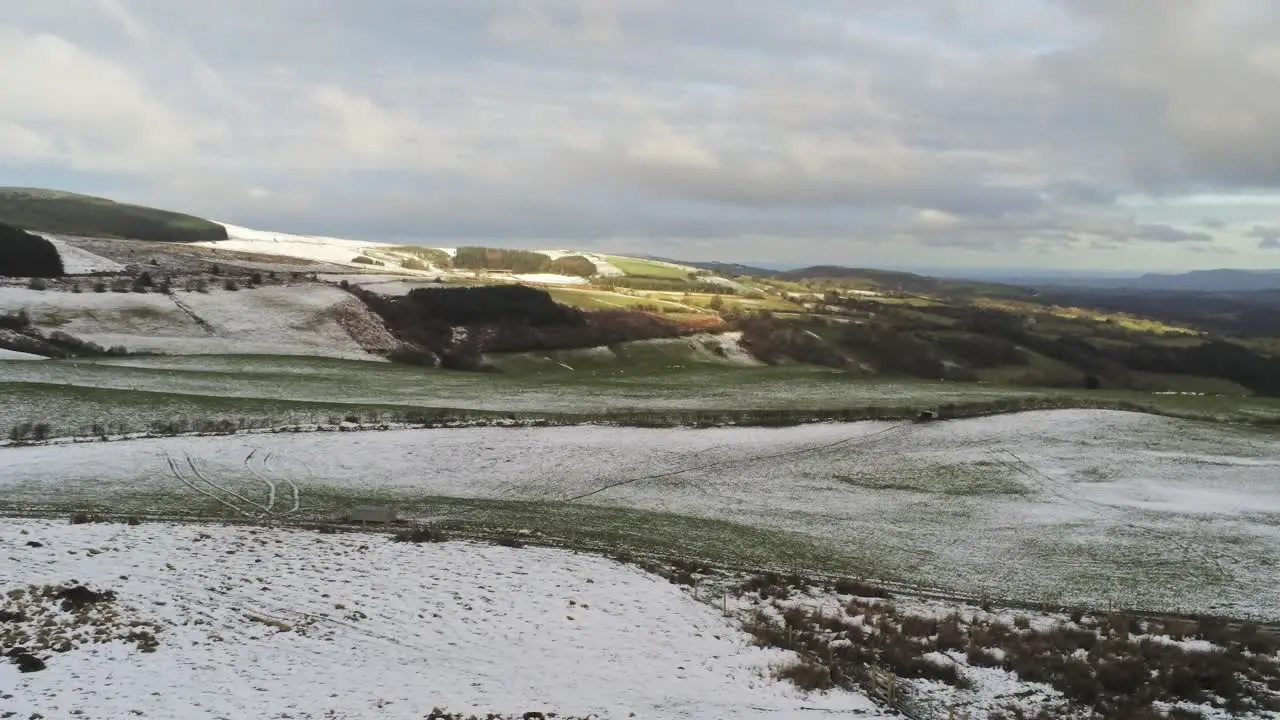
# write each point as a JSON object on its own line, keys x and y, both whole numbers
{"x": 801, "y": 468}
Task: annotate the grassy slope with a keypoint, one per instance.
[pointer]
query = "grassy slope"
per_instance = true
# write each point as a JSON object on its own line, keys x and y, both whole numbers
{"x": 71, "y": 214}
{"x": 664, "y": 386}
{"x": 648, "y": 268}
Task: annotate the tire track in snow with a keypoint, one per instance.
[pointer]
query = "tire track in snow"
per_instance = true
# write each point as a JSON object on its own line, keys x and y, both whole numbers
{"x": 293, "y": 487}
{"x": 192, "y": 464}
{"x": 173, "y": 468}
{"x": 271, "y": 485}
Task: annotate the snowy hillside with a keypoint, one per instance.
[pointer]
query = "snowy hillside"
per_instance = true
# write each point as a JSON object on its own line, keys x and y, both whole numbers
{"x": 260, "y": 623}
{"x": 303, "y": 319}
{"x": 340, "y": 251}
{"x": 1048, "y": 504}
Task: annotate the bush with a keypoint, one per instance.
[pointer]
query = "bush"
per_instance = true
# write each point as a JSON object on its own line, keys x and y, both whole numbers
{"x": 255, "y": 278}
{"x": 99, "y": 287}
{"x": 24, "y": 254}
{"x": 230, "y": 285}
{"x": 15, "y": 321}
{"x": 806, "y": 675}
{"x": 366, "y": 260}
{"x": 423, "y": 534}
{"x": 145, "y": 279}
{"x": 38, "y": 284}
{"x": 849, "y": 586}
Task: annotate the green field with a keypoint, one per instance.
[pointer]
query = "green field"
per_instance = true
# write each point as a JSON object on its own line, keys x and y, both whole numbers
{"x": 638, "y": 267}
{"x": 664, "y": 380}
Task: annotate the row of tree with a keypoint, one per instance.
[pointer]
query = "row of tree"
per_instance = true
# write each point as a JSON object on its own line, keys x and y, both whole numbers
{"x": 454, "y": 327}
{"x": 522, "y": 262}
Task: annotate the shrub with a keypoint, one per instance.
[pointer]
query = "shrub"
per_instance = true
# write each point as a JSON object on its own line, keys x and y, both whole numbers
{"x": 38, "y": 284}
{"x": 231, "y": 285}
{"x": 366, "y": 260}
{"x": 255, "y": 278}
{"x": 215, "y": 270}
{"x": 145, "y": 279}
{"x": 75, "y": 288}
{"x": 806, "y": 675}
{"x": 423, "y": 534}
{"x": 15, "y": 321}
{"x": 140, "y": 288}
{"x": 982, "y": 657}
{"x": 24, "y": 254}
{"x": 919, "y": 626}
{"x": 99, "y": 287}
{"x": 509, "y": 542}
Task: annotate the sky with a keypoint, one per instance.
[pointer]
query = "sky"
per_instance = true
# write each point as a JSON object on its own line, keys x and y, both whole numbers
{"x": 1064, "y": 134}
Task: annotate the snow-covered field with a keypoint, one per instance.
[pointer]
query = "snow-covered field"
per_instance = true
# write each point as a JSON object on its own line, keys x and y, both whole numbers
{"x": 77, "y": 261}
{"x": 272, "y": 319}
{"x": 337, "y": 251}
{"x": 1066, "y": 506}
{"x": 340, "y": 251}
{"x": 260, "y": 623}
{"x": 15, "y": 355}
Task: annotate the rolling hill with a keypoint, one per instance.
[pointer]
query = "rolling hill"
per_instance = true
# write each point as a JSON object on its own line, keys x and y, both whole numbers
{"x": 64, "y": 213}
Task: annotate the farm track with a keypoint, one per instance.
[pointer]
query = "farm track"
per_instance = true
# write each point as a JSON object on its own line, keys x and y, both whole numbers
{"x": 1270, "y": 626}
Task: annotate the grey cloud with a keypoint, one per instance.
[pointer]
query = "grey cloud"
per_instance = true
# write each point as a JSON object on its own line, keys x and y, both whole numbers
{"x": 1000, "y": 125}
{"x": 1268, "y": 236}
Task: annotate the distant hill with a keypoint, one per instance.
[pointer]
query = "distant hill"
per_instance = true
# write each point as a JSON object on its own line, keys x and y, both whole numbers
{"x": 1210, "y": 281}
{"x": 64, "y": 213}
{"x": 720, "y": 268}
{"x": 881, "y": 279}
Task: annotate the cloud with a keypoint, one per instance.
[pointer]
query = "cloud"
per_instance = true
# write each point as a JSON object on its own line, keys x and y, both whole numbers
{"x": 1268, "y": 236}
{"x": 1013, "y": 128}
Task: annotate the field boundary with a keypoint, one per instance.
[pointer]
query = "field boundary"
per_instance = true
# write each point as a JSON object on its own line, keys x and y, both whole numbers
{"x": 33, "y": 432}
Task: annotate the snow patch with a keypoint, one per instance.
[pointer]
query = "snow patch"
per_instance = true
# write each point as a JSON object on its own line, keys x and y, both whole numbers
{"x": 76, "y": 261}
{"x": 292, "y": 624}
{"x": 550, "y": 279}
{"x": 15, "y": 355}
